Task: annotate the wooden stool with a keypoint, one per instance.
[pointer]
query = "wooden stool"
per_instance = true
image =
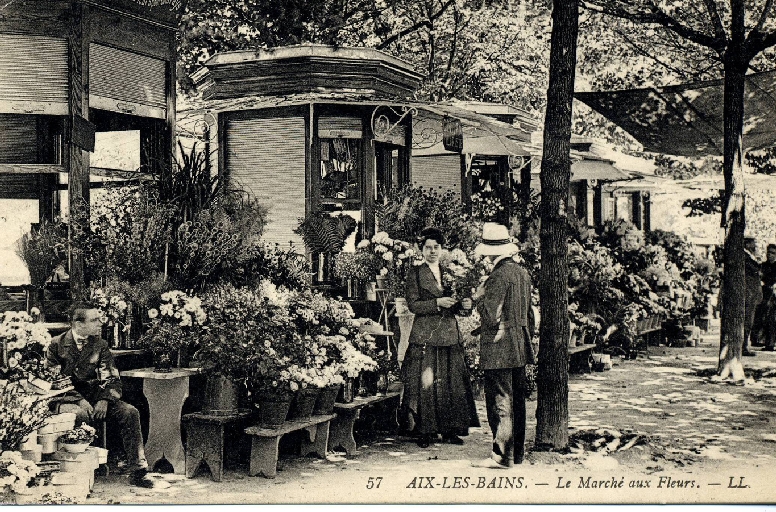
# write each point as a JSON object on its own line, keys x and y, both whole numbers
{"x": 265, "y": 442}
{"x": 205, "y": 440}
{"x": 347, "y": 414}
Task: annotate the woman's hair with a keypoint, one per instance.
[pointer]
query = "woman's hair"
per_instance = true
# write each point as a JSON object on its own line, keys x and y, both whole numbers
{"x": 431, "y": 234}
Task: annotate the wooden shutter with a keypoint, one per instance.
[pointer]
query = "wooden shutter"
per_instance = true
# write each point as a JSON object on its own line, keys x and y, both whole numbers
{"x": 18, "y": 139}
{"x": 266, "y": 157}
{"x": 433, "y": 172}
{"x": 33, "y": 75}
{"x": 127, "y": 82}
{"x": 336, "y": 127}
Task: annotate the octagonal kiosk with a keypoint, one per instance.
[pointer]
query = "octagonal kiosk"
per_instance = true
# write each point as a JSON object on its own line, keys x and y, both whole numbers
{"x": 311, "y": 128}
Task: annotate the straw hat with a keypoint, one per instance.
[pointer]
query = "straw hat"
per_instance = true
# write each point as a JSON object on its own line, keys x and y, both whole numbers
{"x": 495, "y": 241}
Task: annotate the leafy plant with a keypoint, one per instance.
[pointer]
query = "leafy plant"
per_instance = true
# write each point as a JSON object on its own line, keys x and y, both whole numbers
{"x": 42, "y": 250}
{"x": 323, "y": 233}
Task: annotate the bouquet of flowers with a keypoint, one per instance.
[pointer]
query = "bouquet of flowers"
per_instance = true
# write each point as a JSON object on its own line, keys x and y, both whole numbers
{"x": 79, "y": 435}
{"x": 15, "y": 472}
{"x": 175, "y": 324}
{"x": 24, "y": 345}
{"x": 461, "y": 275}
{"x": 113, "y": 307}
{"x": 396, "y": 258}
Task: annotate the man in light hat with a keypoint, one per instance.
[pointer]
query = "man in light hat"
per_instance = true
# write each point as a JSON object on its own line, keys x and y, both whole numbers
{"x": 507, "y": 323}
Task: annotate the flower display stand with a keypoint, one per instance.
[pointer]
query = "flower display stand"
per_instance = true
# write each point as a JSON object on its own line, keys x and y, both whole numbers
{"x": 265, "y": 442}
{"x": 347, "y": 414}
{"x": 206, "y": 436}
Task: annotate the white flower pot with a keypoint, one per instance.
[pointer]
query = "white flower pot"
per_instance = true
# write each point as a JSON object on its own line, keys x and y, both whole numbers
{"x": 73, "y": 447}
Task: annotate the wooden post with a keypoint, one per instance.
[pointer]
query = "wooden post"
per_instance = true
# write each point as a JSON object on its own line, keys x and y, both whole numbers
{"x": 76, "y": 160}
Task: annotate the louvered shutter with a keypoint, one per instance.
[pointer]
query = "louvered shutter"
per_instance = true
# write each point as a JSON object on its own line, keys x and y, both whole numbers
{"x": 339, "y": 127}
{"x": 127, "y": 82}
{"x": 266, "y": 157}
{"x": 33, "y": 76}
{"x": 433, "y": 172}
{"x": 18, "y": 139}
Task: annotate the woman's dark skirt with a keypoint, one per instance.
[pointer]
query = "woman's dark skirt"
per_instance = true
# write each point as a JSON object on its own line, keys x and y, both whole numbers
{"x": 438, "y": 396}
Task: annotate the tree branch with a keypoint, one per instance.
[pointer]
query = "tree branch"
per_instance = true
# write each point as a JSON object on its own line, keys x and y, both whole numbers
{"x": 657, "y": 17}
{"x": 416, "y": 26}
{"x": 716, "y": 20}
{"x": 757, "y": 40}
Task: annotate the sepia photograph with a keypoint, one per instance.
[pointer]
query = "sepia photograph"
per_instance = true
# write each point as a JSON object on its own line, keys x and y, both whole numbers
{"x": 267, "y": 252}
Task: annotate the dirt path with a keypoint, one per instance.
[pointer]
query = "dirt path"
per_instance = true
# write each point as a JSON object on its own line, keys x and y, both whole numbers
{"x": 651, "y": 430}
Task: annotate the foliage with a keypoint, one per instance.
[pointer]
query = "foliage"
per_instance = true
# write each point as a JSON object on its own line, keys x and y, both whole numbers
{"x": 683, "y": 169}
{"x": 42, "y": 250}
{"x": 84, "y": 434}
{"x": 361, "y": 265}
{"x": 263, "y": 261}
{"x": 323, "y": 233}
{"x": 205, "y": 244}
{"x": 129, "y": 231}
{"x": 177, "y": 323}
{"x": 21, "y": 413}
{"x": 408, "y": 210}
{"x": 241, "y": 323}
{"x": 763, "y": 161}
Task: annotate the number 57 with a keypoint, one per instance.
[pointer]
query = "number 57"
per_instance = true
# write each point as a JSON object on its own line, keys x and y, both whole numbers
{"x": 374, "y": 482}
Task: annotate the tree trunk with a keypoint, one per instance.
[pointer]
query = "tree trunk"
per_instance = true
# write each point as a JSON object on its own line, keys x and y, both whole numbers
{"x": 552, "y": 413}
{"x": 733, "y": 220}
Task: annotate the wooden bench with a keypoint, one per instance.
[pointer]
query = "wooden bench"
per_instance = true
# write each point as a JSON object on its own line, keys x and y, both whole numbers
{"x": 579, "y": 356}
{"x": 265, "y": 442}
{"x": 205, "y": 439}
{"x": 347, "y": 414}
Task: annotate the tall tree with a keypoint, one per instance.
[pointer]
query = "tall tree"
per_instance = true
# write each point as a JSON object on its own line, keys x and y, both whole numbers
{"x": 552, "y": 414}
{"x": 736, "y": 39}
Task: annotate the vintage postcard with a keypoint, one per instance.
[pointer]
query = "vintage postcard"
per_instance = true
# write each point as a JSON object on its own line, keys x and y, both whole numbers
{"x": 387, "y": 252}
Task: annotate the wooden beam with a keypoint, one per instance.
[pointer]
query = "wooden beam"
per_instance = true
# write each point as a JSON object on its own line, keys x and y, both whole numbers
{"x": 31, "y": 168}
{"x": 76, "y": 160}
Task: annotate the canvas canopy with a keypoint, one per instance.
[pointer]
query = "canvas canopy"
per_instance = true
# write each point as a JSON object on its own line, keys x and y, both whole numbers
{"x": 687, "y": 120}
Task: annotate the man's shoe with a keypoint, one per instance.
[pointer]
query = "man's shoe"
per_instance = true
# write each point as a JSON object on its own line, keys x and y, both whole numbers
{"x": 748, "y": 353}
{"x": 140, "y": 478}
{"x": 452, "y": 439}
{"x": 424, "y": 441}
{"x": 488, "y": 464}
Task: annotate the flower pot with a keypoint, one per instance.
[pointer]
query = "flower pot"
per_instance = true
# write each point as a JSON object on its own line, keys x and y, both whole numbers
{"x": 371, "y": 291}
{"x": 401, "y": 306}
{"x": 381, "y": 282}
{"x": 382, "y": 383}
{"x": 405, "y": 328}
{"x": 303, "y": 403}
{"x": 163, "y": 362}
{"x": 221, "y": 396}
{"x": 347, "y": 392}
{"x": 74, "y": 447}
{"x": 326, "y": 399}
{"x": 273, "y": 410}
{"x": 368, "y": 383}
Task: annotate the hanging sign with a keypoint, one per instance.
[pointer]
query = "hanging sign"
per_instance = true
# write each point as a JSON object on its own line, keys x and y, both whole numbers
{"x": 452, "y": 134}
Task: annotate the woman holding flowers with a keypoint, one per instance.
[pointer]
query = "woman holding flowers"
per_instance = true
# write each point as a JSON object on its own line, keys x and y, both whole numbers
{"x": 438, "y": 396}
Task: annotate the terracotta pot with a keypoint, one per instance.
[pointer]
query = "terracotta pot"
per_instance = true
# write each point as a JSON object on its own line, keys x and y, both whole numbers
{"x": 347, "y": 392}
{"x": 221, "y": 396}
{"x": 273, "y": 410}
{"x": 326, "y": 399}
{"x": 303, "y": 403}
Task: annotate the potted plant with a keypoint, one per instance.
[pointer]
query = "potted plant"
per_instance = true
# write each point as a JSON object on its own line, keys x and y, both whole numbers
{"x": 42, "y": 250}
{"x": 175, "y": 325}
{"x": 76, "y": 440}
{"x": 16, "y": 474}
{"x": 325, "y": 235}
{"x": 22, "y": 342}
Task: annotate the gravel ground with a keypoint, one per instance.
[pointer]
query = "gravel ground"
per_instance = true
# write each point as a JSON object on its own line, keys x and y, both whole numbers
{"x": 653, "y": 430}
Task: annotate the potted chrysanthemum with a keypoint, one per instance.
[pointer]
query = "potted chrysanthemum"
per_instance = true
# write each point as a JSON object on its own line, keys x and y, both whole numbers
{"x": 76, "y": 440}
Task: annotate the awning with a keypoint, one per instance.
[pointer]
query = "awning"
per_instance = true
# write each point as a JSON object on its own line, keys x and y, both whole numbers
{"x": 601, "y": 170}
{"x": 494, "y": 145}
{"x": 687, "y": 120}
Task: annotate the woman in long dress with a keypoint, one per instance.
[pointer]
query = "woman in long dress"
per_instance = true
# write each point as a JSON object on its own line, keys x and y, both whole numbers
{"x": 438, "y": 395}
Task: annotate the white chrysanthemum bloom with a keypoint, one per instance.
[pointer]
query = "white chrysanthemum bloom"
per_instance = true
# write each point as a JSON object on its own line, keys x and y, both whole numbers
{"x": 153, "y": 313}
{"x": 363, "y": 244}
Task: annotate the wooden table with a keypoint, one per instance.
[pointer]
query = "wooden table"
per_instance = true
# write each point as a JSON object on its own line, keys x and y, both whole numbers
{"x": 347, "y": 414}
{"x": 166, "y": 393}
{"x": 265, "y": 442}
